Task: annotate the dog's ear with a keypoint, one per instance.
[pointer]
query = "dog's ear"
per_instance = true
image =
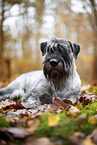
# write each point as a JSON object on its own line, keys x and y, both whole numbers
{"x": 75, "y": 48}
{"x": 43, "y": 48}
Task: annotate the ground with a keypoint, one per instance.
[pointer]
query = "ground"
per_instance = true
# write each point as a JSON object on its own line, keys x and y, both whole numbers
{"x": 56, "y": 123}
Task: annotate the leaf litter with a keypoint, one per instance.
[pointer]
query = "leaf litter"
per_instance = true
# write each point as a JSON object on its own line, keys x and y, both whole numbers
{"x": 59, "y": 122}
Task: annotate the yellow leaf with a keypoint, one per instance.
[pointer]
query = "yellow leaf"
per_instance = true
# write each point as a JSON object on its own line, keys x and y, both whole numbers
{"x": 87, "y": 141}
{"x": 0, "y": 115}
{"x": 92, "y": 120}
{"x": 53, "y": 120}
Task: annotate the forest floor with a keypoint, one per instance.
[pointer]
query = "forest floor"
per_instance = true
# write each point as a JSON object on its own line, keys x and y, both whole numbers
{"x": 56, "y": 123}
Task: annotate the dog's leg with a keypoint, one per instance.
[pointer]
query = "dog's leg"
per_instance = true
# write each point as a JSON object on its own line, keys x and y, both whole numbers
{"x": 13, "y": 90}
{"x": 14, "y": 94}
{"x": 5, "y": 93}
{"x": 31, "y": 99}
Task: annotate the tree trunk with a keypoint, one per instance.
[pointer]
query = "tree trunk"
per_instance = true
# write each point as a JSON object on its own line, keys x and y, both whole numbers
{"x": 95, "y": 62}
{"x": 1, "y": 38}
{"x": 94, "y": 11}
{"x": 7, "y": 68}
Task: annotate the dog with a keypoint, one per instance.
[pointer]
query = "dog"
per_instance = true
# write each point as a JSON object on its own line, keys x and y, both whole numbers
{"x": 58, "y": 78}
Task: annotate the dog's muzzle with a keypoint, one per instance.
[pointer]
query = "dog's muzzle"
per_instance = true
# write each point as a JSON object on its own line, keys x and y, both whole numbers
{"x": 54, "y": 72}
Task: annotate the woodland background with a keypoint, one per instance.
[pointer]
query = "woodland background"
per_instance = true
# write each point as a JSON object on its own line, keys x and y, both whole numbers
{"x": 26, "y": 23}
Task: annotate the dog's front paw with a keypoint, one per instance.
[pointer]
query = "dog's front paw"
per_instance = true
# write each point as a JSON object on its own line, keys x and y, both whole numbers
{"x": 17, "y": 94}
{"x": 31, "y": 102}
{"x": 45, "y": 99}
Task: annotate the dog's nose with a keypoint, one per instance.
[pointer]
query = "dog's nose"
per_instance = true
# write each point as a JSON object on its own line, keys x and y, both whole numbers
{"x": 53, "y": 62}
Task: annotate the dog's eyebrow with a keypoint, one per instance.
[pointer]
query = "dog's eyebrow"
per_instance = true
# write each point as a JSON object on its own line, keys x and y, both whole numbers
{"x": 54, "y": 47}
{"x": 51, "y": 47}
{"x": 63, "y": 45}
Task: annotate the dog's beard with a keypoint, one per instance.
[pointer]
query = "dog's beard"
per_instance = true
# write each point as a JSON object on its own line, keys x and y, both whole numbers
{"x": 56, "y": 76}
{"x": 56, "y": 79}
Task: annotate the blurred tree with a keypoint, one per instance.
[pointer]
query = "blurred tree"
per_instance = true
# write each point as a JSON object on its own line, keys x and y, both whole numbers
{"x": 9, "y": 47}
{"x": 92, "y": 16}
{"x": 3, "y": 10}
{"x": 94, "y": 11}
{"x": 1, "y": 36}
{"x": 63, "y": 19}
{"x": 26, "y": 22}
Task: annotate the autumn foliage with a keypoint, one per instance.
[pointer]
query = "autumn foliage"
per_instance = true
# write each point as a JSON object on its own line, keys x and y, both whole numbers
{"x": 60, "y": 121}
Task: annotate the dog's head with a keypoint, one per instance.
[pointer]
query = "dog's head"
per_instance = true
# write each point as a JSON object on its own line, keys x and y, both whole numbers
{"x": 59, "y": 54}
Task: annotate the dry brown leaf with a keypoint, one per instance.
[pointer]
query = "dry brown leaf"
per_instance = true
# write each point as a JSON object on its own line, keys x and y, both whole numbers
{"x": 32, "y": 125}
{"x": 76, "y": 139}
{"x": 67, "y": 101}
{"x": 5, "y": 136}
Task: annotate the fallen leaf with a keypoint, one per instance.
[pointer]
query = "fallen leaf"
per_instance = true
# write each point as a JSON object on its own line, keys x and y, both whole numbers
{"x": 82, "y": 99}
{"x": 92, "y": 120}
{"x": 74, "y": 110}
{"x": 78, "y": 105}
{"x": 16, "y": 106}
{"x": 87, "y": 141}
{"x": 58, "y": 102}
{"x": 86, "y": 101}
{"x": 53, "y": 120}
{"x": 4, "y": 135}
{"x": 82, "y": 116}
{"x": 67, "y": 101}
{"x": 64, "y": 104}
{"x": 16, "y": 118}
{"x": 32, "y": 125}
{"x": 76, "y": 139}
{"x": 18, "y": 132}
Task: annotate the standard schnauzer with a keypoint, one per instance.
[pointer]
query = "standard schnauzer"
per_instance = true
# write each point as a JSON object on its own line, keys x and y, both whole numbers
{"x": 58, "y": 78}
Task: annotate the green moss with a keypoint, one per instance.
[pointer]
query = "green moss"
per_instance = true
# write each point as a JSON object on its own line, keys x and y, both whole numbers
{"x": 86, "y": 127}
{"x": 93, "y": 90}
{"x": 90, "y": 109}
{"x": 66, "y": 126}
{"x": 3, "y": 122}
